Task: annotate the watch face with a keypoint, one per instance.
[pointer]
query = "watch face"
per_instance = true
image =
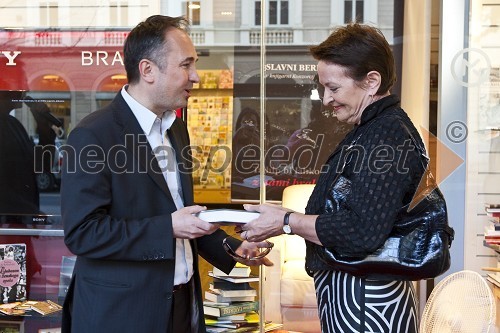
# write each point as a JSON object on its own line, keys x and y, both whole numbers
{"x": 287, "y": 229}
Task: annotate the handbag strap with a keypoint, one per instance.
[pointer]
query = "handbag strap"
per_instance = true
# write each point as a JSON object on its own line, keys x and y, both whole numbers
{"x": 447, "y": 229}
{"x": 421, "y": 149}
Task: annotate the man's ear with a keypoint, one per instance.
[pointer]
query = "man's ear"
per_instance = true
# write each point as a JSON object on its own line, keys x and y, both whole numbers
{"x": 146, "y": 70}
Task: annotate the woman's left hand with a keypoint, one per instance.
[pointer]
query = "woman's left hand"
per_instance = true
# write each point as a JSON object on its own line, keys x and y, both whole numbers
{"x": 268, "y": 224}
{"x": 253, "y": 250}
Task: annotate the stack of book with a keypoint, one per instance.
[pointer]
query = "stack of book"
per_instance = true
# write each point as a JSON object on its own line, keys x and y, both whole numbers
{"x": 492, "y": 231}
{"x": 494, "y": 277}
{"x": 230, "y": 303}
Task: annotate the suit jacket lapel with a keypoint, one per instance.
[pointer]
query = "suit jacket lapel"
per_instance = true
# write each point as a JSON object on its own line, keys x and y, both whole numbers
{"x": 137, "y": 143}
{"x": 179, "y": 140}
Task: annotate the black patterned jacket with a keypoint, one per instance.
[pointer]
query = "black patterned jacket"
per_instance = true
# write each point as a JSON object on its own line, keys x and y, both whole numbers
{"x": 384, "y": 175}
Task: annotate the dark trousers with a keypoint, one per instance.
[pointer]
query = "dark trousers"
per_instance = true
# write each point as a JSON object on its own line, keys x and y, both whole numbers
{"x": 181, "y": 313}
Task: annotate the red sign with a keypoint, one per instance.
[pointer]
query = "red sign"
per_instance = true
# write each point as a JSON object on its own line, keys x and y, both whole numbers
{"x": 62, "y": 60}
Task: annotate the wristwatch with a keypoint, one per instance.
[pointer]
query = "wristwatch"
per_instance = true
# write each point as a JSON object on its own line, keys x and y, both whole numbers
{"x": 286, "y": 224}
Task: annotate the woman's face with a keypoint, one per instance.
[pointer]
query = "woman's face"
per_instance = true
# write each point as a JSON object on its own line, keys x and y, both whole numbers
{"x": 347, "y": 97}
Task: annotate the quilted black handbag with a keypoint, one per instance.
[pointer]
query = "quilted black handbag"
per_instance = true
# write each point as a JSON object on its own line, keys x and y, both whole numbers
{"x": 418, "y": 245}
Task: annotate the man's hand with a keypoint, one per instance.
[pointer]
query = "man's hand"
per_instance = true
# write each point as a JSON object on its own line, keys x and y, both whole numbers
{"x": 187, "y": 226}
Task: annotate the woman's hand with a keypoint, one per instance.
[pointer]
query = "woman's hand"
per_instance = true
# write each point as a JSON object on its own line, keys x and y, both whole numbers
{"x": 253, "y": 250}
{"x": 268, "y": 224}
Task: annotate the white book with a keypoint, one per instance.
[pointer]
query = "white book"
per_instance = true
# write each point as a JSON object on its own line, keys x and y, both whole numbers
{"x": 218, "y": 298}
{"x": 238, "y": 270}
{"x": 227, "y": 216}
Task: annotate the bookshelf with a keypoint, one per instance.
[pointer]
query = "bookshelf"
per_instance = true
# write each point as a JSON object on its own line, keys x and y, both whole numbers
{"x": 209, "y": 120}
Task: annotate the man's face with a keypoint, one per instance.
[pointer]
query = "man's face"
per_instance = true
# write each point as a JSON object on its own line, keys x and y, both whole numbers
{"x": 176, "y": 74}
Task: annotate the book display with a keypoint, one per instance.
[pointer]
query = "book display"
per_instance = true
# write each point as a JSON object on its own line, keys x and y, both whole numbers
{"x": 230, "y": 304}
{"x": 492, "y": 230}
{"x": 30, "y": 289}
{"x": 209, "y": 120}
{"x": 25, "y": 308}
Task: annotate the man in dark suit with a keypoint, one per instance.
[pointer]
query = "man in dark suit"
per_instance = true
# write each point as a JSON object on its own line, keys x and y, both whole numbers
{"x": 127, "y": 199}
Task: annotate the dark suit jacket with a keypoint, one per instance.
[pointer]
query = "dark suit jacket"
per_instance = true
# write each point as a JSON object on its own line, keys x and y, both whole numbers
{"x": 116, "y": 210}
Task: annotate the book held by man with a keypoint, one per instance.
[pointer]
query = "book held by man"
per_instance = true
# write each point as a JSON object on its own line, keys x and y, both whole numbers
{"x": 227, "y": 216}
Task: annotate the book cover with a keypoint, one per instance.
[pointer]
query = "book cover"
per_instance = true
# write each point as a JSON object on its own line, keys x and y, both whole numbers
{"x": 218, "y": 298}
{"x": 221, "y": 310}
{"x": 11, "y": 309}
{"x": 227, "y": 216}
{"x": 230, "y": 318}
{"x": 46, "y": 307}
{"x": 233, "y": 293}
{"x": 12, "y": 272}
{"x": 239, "y": 270}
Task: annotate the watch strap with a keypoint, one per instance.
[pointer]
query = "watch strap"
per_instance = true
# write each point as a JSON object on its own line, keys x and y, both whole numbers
{"x": 286, "y": 224}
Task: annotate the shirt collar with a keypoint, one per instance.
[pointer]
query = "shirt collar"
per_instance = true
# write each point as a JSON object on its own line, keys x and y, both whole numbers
{"x": 146, "y": 117}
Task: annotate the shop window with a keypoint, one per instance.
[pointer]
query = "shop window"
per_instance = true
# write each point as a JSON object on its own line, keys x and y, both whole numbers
{"x": 277, "y": 12}
{"x": 353, "y": 10}
{"x": 192, "y": 10}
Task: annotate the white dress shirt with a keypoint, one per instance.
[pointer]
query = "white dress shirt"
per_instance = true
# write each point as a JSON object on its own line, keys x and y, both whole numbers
{"x": 155, "y": 129}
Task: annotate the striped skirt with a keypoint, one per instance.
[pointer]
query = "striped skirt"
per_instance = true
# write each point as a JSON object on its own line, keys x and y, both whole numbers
{"x": 351, "y": 304}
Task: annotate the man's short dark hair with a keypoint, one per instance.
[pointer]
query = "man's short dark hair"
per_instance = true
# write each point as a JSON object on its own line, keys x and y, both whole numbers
{"x": 146, "y": 40}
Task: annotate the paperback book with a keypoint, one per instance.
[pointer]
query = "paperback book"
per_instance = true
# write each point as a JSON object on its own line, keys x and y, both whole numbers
{"x": 13, "y": 272}
{"x": 218, "y": 298}
{"x": 221, "y": 309}
{"x": 233, "y": 292}
{"x": 227, "y": 285}
{"x": 250, "y": 319}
